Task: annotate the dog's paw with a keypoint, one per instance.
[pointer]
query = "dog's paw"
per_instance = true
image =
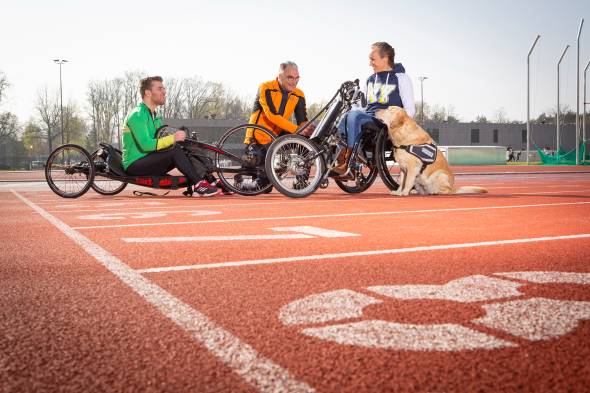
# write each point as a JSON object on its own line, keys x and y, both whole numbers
{"x": 395, "y": 193}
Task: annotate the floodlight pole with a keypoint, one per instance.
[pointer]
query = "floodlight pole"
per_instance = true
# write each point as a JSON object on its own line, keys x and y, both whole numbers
{"x": 528, "y": 98}
{"x": 585, "y": 103}
{"x": 558, "y": 106}
{"x": 578, "y": 95}
{"x": 61, "y": 98}
{"x": 421, "y": 79}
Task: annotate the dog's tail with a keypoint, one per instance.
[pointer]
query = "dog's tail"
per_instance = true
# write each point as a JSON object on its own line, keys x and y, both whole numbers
{"x": 470, "y": 190}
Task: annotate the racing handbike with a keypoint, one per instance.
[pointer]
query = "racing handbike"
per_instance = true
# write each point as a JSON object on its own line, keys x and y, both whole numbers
{"x": 71, "y": 170}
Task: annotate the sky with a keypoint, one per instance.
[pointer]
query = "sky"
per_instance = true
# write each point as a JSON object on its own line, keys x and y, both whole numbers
{"x": 472, "y": 52}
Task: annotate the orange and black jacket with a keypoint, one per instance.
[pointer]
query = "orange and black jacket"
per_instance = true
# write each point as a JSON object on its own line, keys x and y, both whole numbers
{"x": 273, "y": 108}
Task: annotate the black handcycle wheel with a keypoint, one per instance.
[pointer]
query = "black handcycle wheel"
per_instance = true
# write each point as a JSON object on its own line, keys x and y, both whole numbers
{"x": 385, "y": 162}
{"x": 365, "y": 172}
{"x": 69, "y": 171}
{"x": 102, "y": 184}
{"x": 241, "y": 171}
{"x": 295, "y": 166}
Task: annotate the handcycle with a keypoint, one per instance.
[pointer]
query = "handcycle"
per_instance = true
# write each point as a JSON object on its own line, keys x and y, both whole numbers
{"x": 296, "y": 166}
{"x": 71, "y": 170}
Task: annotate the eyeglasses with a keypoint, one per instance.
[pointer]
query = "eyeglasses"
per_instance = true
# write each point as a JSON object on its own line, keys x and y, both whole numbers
{"x": 292, "y": 78}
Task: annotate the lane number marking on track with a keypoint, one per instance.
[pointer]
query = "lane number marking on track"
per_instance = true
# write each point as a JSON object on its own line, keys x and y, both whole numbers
{"x": 301, "y": 232}
{"x": 532, "y": 319}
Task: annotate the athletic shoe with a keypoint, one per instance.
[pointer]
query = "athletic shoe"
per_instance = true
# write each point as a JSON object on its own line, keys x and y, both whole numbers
{"x": 205, "y": 189}
{"x": 219, "y": 184}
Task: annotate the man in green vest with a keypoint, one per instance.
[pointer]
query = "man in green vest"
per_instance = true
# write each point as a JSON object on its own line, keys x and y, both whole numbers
{"x": 144, "y": 154}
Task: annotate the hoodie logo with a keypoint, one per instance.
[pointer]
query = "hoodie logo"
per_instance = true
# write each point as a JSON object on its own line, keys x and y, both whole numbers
{"x": 379, "y": 92}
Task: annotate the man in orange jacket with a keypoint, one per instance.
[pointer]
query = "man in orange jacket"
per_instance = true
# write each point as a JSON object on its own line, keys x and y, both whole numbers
{"x": 275, "y": 103}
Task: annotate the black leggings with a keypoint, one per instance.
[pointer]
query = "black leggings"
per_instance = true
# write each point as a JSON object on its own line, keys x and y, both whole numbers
{"x": 159, "y": 163}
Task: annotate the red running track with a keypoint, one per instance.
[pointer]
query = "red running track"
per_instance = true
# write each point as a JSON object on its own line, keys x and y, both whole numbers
{"x": 331, "y": 293}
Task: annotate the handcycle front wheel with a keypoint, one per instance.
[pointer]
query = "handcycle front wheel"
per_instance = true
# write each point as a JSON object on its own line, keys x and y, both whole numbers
{"x": 385, "y": 161}
{"x": 295, "y": 166}
{"x": 102, "y": 184}
{"x": 240, "y": 172}
{"x": 69, "y": 171}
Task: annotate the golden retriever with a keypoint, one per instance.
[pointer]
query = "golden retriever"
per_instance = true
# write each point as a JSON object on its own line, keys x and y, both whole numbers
{"x": 437, "y": 177}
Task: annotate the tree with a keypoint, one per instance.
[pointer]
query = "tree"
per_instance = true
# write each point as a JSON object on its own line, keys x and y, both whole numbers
{"x": 34, "y": 139}
{"x": 48, "y": 110}
{"x": 3, "y": 85}
{"x": 427, "y": 112}
{"x": 75, "y": 126}
{"x": 232, "y": 106}
{"x": 8, "y": 125}
{"x": 175, "y": 102}
{"x": 545, "y": 118}
{"x": 129, "y": 91}
{"x": 200, "y": 97}
{"x": 192, "y": 98}
{"x": 500, "y": 116}
{"x": 8, "y": 121}
{"x": 438, "y": 114}
{"x": 104, "y": 98}
{"x": 452, "y": 117}
{"x": 10, "y": 147}
{"x": 481, "y": 119}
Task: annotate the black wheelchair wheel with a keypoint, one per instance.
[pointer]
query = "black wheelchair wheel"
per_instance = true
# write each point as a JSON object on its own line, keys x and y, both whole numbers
{"x": 388, "y": 170}
{"x": 365, "y": 173}
{"x": 69, "y": 171}
{"x": 102, "y": 184}
{"x": 295, "y": 166}
{"x": 242, "y": 171}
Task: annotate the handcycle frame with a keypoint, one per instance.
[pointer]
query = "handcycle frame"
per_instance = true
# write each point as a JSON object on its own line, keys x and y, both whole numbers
{"x": 228, "y": 163}
{"x": 295, "y": 156}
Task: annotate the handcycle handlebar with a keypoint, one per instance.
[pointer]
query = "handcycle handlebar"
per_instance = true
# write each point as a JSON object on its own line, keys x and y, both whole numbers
{"x": 349, "y": 93}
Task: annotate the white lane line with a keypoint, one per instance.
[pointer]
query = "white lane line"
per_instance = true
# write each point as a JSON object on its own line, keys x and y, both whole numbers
{"x": 212, "y": 238}
{"x": 253, "y": 203}
{"x": 255, "y": 369}
{"x": 551, "y": 192}
{"x": 335, "y": 215}
{"x": 67, "y": 209}
{"x": 145, "y": 214}
{"x": 561, "y": 186}
{"x": 358, "y": 254}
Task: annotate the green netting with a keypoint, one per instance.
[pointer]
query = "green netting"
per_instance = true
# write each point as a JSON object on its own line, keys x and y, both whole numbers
{"x": 564, "y": 158}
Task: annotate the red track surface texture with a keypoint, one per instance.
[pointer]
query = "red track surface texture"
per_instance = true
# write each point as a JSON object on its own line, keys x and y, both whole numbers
{"x": 331, "y": 293}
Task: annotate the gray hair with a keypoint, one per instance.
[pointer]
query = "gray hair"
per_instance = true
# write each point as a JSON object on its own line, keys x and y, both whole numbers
{"x": 286, "y": 64}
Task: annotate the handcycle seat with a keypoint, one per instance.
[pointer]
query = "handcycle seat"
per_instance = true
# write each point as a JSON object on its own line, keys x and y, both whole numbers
{"x": 114, "y": 159}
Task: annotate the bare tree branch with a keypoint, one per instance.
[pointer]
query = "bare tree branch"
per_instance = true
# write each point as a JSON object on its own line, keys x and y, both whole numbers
{"x": 3, "y": 85}
{"x": 48, "y": 110}
{"x": 8, "y": 125}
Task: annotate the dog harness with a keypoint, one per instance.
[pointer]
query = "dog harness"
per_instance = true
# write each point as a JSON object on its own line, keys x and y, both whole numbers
{"x": 426, "y": 152}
